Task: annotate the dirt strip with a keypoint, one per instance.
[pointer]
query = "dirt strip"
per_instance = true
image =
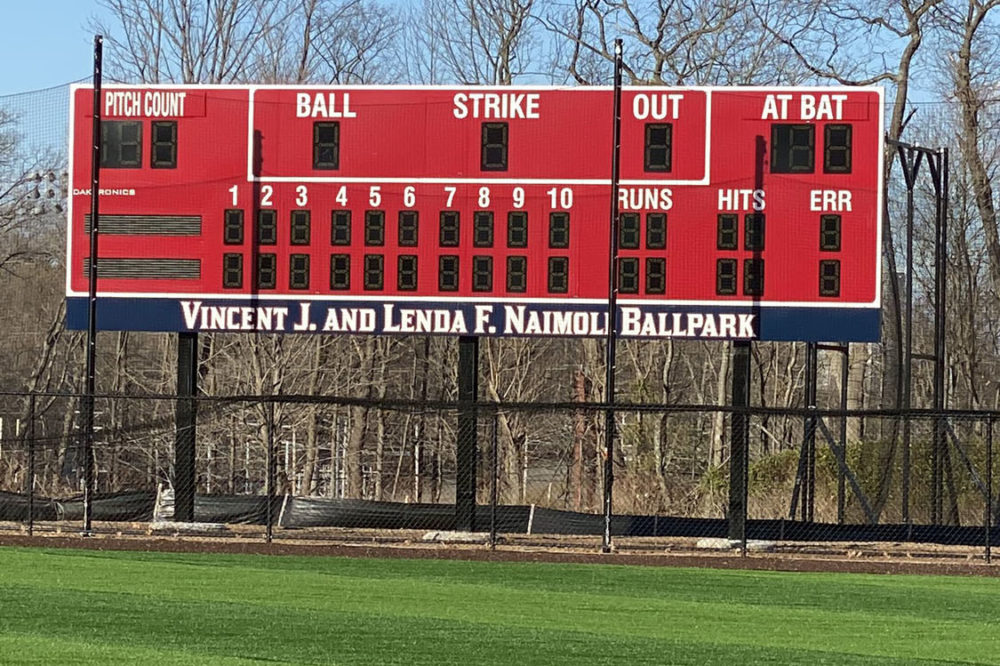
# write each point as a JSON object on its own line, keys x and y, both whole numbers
{"x": 883, "y": 563}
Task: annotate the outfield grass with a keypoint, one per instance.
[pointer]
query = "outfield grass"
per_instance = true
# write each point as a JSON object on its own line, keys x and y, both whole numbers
{"x": 62, "y": 606}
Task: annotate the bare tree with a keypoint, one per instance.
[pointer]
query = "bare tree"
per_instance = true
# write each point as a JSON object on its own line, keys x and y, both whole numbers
{"x": 472, "y": 41}
{"x": 670, "y": 43}
{"x": 973, "y": 62}
{"x": 187, "y": 41}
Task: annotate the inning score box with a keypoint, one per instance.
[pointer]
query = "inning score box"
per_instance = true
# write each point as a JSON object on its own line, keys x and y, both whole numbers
{"x": 745, "y": 213}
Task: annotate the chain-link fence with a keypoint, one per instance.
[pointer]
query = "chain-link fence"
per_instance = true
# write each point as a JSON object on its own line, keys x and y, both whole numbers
{"x": 323, "y": 468}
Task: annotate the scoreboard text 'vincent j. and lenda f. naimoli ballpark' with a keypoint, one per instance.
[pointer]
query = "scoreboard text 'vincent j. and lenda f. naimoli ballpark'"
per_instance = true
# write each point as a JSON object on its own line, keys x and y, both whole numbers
{"x": 745, "y": 213}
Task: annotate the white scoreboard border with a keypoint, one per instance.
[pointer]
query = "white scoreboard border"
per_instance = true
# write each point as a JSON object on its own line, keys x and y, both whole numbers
{"x": 875, "y": 303}
{"x": 704, "y": 180}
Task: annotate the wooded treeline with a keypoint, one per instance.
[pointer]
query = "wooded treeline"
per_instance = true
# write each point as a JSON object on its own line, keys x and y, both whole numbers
{"x": 934, "y": 58}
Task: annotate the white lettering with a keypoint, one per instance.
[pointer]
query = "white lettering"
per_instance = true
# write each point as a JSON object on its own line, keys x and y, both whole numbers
{"x": 190, "y": 310}
{"x": 323, "y": 106}
{"x": 830, "y": 200}
{"x": 775, "y": 107}
{"x": 657, "y": 107}
{"x": 496, "y": 105}
{"x": 730, "y": 199}
{"x": 645, "y": 198}
{"x": 823, "y": 107}
{"x": 483, "y": 313}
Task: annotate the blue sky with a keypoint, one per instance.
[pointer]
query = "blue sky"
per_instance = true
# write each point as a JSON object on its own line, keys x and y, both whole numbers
{"x": 45, "y": 43}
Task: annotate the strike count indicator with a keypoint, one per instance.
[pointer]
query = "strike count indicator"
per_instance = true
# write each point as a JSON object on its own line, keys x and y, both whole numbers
{"x": 744, "y": 212}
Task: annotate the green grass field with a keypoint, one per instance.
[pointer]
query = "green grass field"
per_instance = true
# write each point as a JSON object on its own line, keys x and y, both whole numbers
{"x": 63, "y": 606}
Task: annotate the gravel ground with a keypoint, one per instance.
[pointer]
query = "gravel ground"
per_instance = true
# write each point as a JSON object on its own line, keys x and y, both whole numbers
{"x": 877, "y": 558}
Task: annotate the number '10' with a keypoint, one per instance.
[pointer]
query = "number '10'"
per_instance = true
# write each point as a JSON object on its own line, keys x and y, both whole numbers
{"x": 560, "y": 198}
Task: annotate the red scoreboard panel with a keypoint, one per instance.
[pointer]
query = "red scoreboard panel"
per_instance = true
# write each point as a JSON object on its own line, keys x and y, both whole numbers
{"x": 744, "y": 212}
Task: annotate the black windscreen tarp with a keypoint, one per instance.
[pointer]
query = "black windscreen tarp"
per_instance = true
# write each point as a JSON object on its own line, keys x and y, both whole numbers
{"x": 133, "y": 507}
{"x": 14, "y": 508}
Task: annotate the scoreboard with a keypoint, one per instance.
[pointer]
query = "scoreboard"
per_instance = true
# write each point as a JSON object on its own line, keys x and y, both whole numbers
{"x": 744, "y": 213}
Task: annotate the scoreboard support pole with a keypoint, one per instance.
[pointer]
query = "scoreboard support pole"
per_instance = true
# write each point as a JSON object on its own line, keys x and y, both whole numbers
{"x": 611, "y": 346}
{"x": 467, "y": 449}
{"x": 809, "y": 498}
{"x": 739, "y": 453}
{"x": 739, "y": 447}
{"x": 95, "y": 217}
{"x": 186, "y": 415}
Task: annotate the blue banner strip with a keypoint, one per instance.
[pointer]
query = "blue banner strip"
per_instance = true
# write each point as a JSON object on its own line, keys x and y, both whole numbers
{"x": 565, "y": 319}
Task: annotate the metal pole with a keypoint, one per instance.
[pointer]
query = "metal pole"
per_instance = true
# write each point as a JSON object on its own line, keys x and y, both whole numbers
{"x": 809, "y": 441}
{"x": 269, "y": 533}
{"x": 908, "y": 348}
{"x": 95, "y": 188}
{"x": 610, "y": 361}
{"x": 186, "y": 419}
{"x": 493, "y": 486}
{"x": 940, "y": 307}
{"x": 739, "y": 448}
{"x": 466, "y": 453}
{"x": 31, "y": 464}
{"x": 844, "y": 376}
{"x": 989, "y": 487}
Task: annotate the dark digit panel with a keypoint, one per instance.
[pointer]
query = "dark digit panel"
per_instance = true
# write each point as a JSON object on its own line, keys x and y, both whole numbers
{"x": 656, "y": 275}
{"x": 300, "y": 227}
{"x": 837, "y": 149}
{"x": 558, "y": 275}
{"x": 628, "y": 275}
{"x": 829, "y": 233}
{"x": 340, "y": 227}
{"x": 793, "y": 148}
{"x": 559, "y": 230}
{"x": 406, "y": 275}
{"x": 753, "y": 277}
{"x": 374, "y": 272}
{"x": 657, "y": 154}
{"x": 482, "y": 273}
{"x": 449, "y": 228}
{"x": 753, "y": 231}
{"x": 482, "y": 228}
{"x": 517, "y": 229}
{"x": 340, "y": 272}
{"x": 448, "y": 273}
{"x": 232, "y": 271}
{"x": 326, "y": 145}
{"x": 494, "y": 147}
{"x": 409, "y": 221}
{"x": 298, "y": 271}
{"x": 374, "y": 227}
{"x": 829, "y": 277}
{"x": 164, "y": 152}
{"x": 267, "y": 227}
{"x": 121, "y": 144}
{"x": 233, "y": 227}
{"x": 726, "y": 235}
{"x": 656, "y": 231}
{"x": 267, "y": 271}
{"x": 725, "y": 277}
{"x": 517, "y": 274}
{"x": 628, "y": 231}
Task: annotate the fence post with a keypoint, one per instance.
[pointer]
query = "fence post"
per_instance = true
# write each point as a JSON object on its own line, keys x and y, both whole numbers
{"x": 269, "y": 483}
{"x": 31, "y": 464}
{"x": 989, "y": 485}
{"x": 841, "y": 485}
{"x": 493, "y": 485}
